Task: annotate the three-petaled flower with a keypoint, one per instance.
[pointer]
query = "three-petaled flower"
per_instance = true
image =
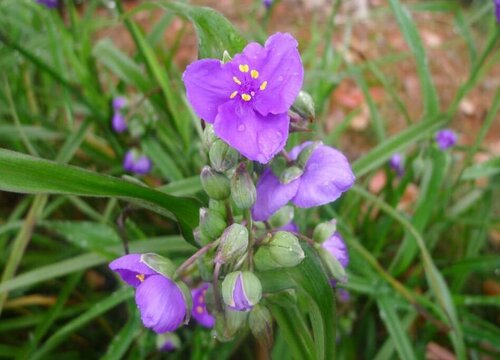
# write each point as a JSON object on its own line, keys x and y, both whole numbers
{"x": 446, "y": 138}
{"x": 247, "y": 99}
{"x": 200, "y": 312}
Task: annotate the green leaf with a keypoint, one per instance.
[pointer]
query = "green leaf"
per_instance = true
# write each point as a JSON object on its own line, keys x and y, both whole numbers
{"x": 486, "y": 169}
{"x": 122, "y": 341}
{"x": 26, "y": 174}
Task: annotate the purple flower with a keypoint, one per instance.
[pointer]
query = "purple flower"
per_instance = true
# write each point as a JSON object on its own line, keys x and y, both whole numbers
{"x": 200, "y": 312}
{"x": 397, "y": 164}
{"x": 241, "y": 291}
{"x": 136, "y": 163}
{"x": 119, "y": 103}
{"x": 240, "y": 299}
{"x": 446, "y": 138}
{"x": 267, "y": 3}
{"x": 343, "y": 295}
{"x": 159, "y": 299}
{"x": 167, "y": 342}
{"x": 290, "y": 227}
{"x": 336, "y": 247}
{"x": 327, "y": 174}
{"x": 497, "y": 9}
{"x": 51, "y": 4}
{"x": 118, "y": 122}
{"x": 248, "y": 98}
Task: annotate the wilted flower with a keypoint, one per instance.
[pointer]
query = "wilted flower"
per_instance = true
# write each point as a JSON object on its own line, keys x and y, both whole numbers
{"x": 136, "y": 163}
{"x": 51, "y": 4}
{"x": 241, "y": 290}
{"x": 446, "y": 138}
{"x": 199, "y": 311}
{"x": 397, "y": 164}
{"x": 248, "y": 98}
{"x": 118, "y": 122}
{"x": 326, "y": 175}
{"x": 336, "y": 247}
{"x": 159, "y": 299}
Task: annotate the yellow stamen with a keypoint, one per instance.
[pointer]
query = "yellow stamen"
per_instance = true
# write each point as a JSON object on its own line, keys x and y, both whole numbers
{"x": 244, "y": 68}
{"x": 236, "y": 80}
{"x": 254, "y": 74}
{"x": 233, "y": 95}
{"x": 263, "y": 85}
{"x": 140, "y": 277}
{"x": 199, "y": 310}
{"x": 246, "y": 97}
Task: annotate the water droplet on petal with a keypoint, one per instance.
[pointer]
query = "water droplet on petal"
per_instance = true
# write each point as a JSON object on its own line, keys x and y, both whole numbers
{"x": 269, "y": 141}
{"x": 241, "y": 127}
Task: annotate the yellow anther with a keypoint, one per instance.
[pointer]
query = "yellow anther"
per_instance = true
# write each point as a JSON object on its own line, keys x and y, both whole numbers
{"x": 199, "y": 309}
{"x": 244, "y": 68}
{"x": 254, "y": 74}
{"x": 246, "y": 97}
{"x": 140, "y": 277}
{"x": 236, "y": 80}
{"x": 263, "y": 85}
{"x": 233, "y": 95}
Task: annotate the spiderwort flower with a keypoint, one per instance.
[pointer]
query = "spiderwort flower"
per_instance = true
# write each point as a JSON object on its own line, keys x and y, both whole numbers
{"x": 446, "y": 139}
{"x": 136, "y": 163}
{"x": 159, "y": 299}
{"x": 396, "y": 164}
{"x": 335, "y": 245}
{"x": 200, "y": 312}
{"x": 497, "y": 9}
{"x": 241, "y": 290}
{"x": 267, "y": 3}
{"x": 247, "y": 99}
{"x": 118, "y": 122}
{"x": 327, "y": 174}
{"x": 51, "y": 4}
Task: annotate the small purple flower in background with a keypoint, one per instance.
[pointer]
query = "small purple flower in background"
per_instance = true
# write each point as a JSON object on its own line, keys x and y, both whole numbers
{"x": 159, "y": 299}
{"x": 290, "y": 227}
{"x": 248, "y": 98}
{"x": 335, "y": 245}
{"x": 118, "y": 122}
{"x": 497, "y": 9}
{"x": 397, "y": 164}
{"x": 446, "y": 139}
{"x": 267, "y": 3}
{"x": 51, "y": 4}
{"x": 343, "y": 295}
{"x": 200, "y": 312}
{"x": 136, "y": 163}
{"x": 167, "y": 342}
{"x": 327, "y": 174}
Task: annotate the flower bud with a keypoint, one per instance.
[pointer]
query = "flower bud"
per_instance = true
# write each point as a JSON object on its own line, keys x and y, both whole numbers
{"x": 212, "y": 224}
{"x": 333, "y": 265}
{"x": 222, "y": 156}
{"x": 283, "y": 250}
{"x": 304, "y": 106}
{"x": 278, "y": 165}
{"x": 283, "y": 217}
{"x": 219, "y": 206}
{"x": 159, "y": 264}
{"x": 229, "y": 323}
{"x": 243, "y": 189}
{"x": 167, "y": 342}
{"x": 261, "y": 325}
{"x": 226, "y": 57}
{"x": 209, "y": 136}
{"x": 306, "y": 153}
{"x": 215, "y": 184}
{"x": 324, "y": 231}
{"x": 233, "y": 243}
{"x": 241, "y": 290}
{"x": 290, "y": 174}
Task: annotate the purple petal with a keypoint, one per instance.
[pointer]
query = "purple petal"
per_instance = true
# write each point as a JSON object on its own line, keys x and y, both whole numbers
{"x": 255, "y": 136}
{"x": 283, "y": 70}
{"x": 129, "y": 267}
{"x": 497, "y": 10}
{"x": 297, "y": 149}
{"x": 119, "y": 102}
{"x": 142, "y": 165}
{"x": 396, "y": 164}
{"x": 199, "y": 311}
{"x": 161, "y": 304}
{"x": 291, "y": 227}
{"x": 240, "y": 298}
{"x": 168, "y": 346}
{"x": 209, "y": 84}
{"x": 272, "y": 195}
{"x": 51, "y": 4}
{"x": 446, "y": 138}
{"x": 327, "y": 175}
{"x": 118, "y": 123}
{"x": 336, "y": 247}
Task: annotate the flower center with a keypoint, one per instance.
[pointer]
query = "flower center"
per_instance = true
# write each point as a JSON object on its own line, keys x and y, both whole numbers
{"x": 140, "y": 277}
{"x": 248, "y": 84}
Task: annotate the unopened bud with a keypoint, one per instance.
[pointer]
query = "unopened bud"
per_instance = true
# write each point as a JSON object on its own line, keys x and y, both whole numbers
{"x": 282, "y": 217}
{"x": 209, "y": 136}
{"x": 283, "y": 250}
{"x": 324, "y": 231}
{"x": 167, "y": 342}
{"x": 335, "y": 268}
{"x": 241, "y": 290}
{"x": 216, "y": 185}
{"x": 306, "y": 153}
{"x": 278, "y": 165}
{"x": 243, "y": 189}
{"x": 159, "y": 264}
{"x": 219, "y": 206}
{"x": 290, "y": 174}
{"x": 304, "y": 106}
{"x": 228, "y": 324}
{"x": 233, "y": 243}
{"x": 226, "y": 57}
{"x": 212, "y": 224}
{"x": 261, "y": 325}
{"x": 222, "y": 156}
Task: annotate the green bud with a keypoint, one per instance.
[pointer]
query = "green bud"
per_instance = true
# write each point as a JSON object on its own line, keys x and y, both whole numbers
{"x": 261, "y": 325}
{"x": 209, "y": 136}
{"x": 241, "y": 290}
{"x": 306, "y": 153}
{"x": 278, "y": 165}
{"x": 186, "y": 294}
{"x": 304, "y": 106}
{"x": 243, "y": 189}
{"x": 216, "y": 185}
{"x": 199, "y": 237}
{"x": 233, "y": 243}
{"x": 324, "y": 231}
{"x": 226, "y": 57}
{"x": 222, "y": 156}
{"x": 282, "y": 217}
{"x": 159, "y": 264}
{"x": 168, "y": 341}
{"x": 283, "y": 250}
{"x": 290, "y": 174}
{"x": 332, "y": 264}
{"x": 229, "y": 324}
{"x": 212, "y": 224}
{"x": 219, "y": 206}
